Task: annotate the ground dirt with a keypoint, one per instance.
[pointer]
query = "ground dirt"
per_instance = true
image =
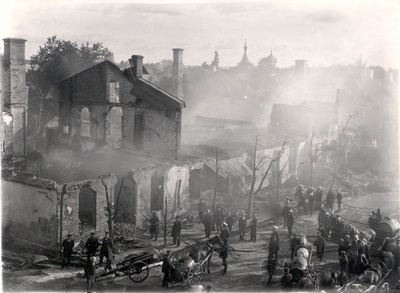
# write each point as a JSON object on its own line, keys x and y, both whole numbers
{"x": 246, "y": 271}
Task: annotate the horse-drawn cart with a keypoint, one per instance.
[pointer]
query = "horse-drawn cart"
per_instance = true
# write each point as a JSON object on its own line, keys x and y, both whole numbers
{"x": 137, "y": 266}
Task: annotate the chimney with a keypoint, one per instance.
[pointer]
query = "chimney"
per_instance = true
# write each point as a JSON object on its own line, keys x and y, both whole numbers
{"x": 177, "y": 73}
{"x": 15, "y": 92}
{"x": 137, "y": 65}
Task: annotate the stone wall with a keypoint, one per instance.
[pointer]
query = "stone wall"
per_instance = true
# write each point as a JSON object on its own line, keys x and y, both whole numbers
{"x": 29, "y": 215}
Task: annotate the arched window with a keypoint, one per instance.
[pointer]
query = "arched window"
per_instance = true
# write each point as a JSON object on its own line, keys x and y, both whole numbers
{"x": 85, "y": 122}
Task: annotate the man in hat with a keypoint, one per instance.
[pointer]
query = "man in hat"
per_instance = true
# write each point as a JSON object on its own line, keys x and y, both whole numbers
{"x": 225, "y": 233}
{"x": 290, "y": 222}
{"x": 339, "y": 198}
{"x": 207, "y": 222}
{"x": 91, "y": 245}
{"x": 275, "y": 233}
{"x": 318, "y": 197}
{"x": 253, "y": 228}
{"x": 154, "y": 224}
{"x": 90, "y": 273}
{"x": 106, "y": 250}
{"x": 67, "y": 246}
{"x": 343, "y": 262}
{"x": 229, "y": 221}
{"x": 286, "y": 280}
{"x": 242, "y": 223}
{"x": 176, "y": 231}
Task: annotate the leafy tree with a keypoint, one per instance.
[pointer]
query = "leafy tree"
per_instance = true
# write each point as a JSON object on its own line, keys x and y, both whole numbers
{"x": 55, "y": 61}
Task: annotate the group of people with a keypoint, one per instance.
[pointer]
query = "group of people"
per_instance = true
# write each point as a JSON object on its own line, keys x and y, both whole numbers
{"x": 91, "y": 246}
{"x": 176, "y": 232}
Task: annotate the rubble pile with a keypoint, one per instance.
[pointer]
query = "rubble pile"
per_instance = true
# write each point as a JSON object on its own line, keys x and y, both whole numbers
{"x": 124, "y": 230}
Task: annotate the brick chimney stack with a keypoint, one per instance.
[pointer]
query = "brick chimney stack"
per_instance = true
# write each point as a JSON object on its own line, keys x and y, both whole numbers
{"x": 137, "y": 65}
{"x": 177, "y": 73}
{"x": 15, "y": 94}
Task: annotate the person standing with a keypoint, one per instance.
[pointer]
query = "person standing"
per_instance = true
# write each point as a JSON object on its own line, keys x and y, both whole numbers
{"x": 253, "y": 228}
{"x": 207, "y": 221}
{"x": 224, "y": 253}
{"x": 271, "y": 267}
{"x": 318, "y": 197}
{"x": 202, "y": 210}
{"x": 91, "y": 245}
{"x": 218, "y": 218}
{"x": 154, "y": 224}
{"x": 225, "y": 233}
{"x": 343, "y": 262}
{"x": 242, "y": 223}
{"x": 67, "y": 246}
{"x": 330, "y": 199}
{"x": 273, "y": 248}
{"x": 311, "y": 203}
{"x": 90, "y": 273}
{"x": 176, "y": 231}
{"x": 285, "y": 211}
{"x": 290, "y": 222}
{"x": 275, "y": 233}
{"x": 339, "y": 198}
{"x": 229, "y": 221}
{"x": 165, "y": 269}
{"x": 106, "y": 250}
{"x": 320, "y": 243}
{"x": 378, "y": 215}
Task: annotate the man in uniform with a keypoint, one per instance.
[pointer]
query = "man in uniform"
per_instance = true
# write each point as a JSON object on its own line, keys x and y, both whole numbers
{"x": 154, "y": 224}
{"x": 176, "y": 231}
{"x": 67, "y": 246}
{"x": 225, "y": 234}
{"x": 242, "y": 223}
{"x": 106, "y": 250}
{"x": 339, "y": 198}
{"x": 330, "y": 199}
{"x": 207, "y": 221}
{"x": 253, "y": 228}
{"x": 229, "y": 221}
{"x": 91, "y": 245}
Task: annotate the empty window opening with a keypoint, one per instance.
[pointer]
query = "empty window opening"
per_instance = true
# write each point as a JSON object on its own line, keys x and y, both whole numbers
{"x": 115, "y": 120}
{"x": 87, "y": 207}
{"x": 85, "y": 122}
{"x": 114, "y": 92}
{"x": 138, "y": 131}
{"x": 157, "y": 193}
{"x": 66, "y": 129}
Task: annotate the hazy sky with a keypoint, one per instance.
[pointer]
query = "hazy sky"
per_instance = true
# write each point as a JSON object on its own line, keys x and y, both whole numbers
{"x": 322, "y": 32}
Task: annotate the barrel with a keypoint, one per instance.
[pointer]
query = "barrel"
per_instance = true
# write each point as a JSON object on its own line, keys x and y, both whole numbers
{"x": 387, "y": 228}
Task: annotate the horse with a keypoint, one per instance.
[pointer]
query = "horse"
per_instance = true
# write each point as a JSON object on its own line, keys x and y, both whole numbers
{"x": 371, "y": 275}
{"x": 213, "y": 244}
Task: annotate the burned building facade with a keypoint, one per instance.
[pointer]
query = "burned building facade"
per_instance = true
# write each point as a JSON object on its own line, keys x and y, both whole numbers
{"x": 106, "y": 106}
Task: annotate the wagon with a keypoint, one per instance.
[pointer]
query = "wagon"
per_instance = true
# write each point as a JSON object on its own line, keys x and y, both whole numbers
{"x": 137, "y": 266}
{"x": 300, "y": 263}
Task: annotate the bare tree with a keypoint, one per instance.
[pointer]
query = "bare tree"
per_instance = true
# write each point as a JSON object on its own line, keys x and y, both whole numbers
{"x": 278, "y": 184}
{"x": 256, "y": 168}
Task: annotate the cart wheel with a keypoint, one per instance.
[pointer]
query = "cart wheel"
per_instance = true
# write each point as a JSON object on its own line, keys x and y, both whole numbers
{"x": 195, "y": 274}
{"x": 138, "y": 271}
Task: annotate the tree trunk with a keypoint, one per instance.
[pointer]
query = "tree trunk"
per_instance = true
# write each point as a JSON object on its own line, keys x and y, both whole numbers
{"x": 215, "y": 190}
{"x": 253, "y": 182}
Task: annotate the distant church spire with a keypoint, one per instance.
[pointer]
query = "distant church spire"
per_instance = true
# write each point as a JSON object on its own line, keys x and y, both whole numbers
{"x": 245, "y": 63}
